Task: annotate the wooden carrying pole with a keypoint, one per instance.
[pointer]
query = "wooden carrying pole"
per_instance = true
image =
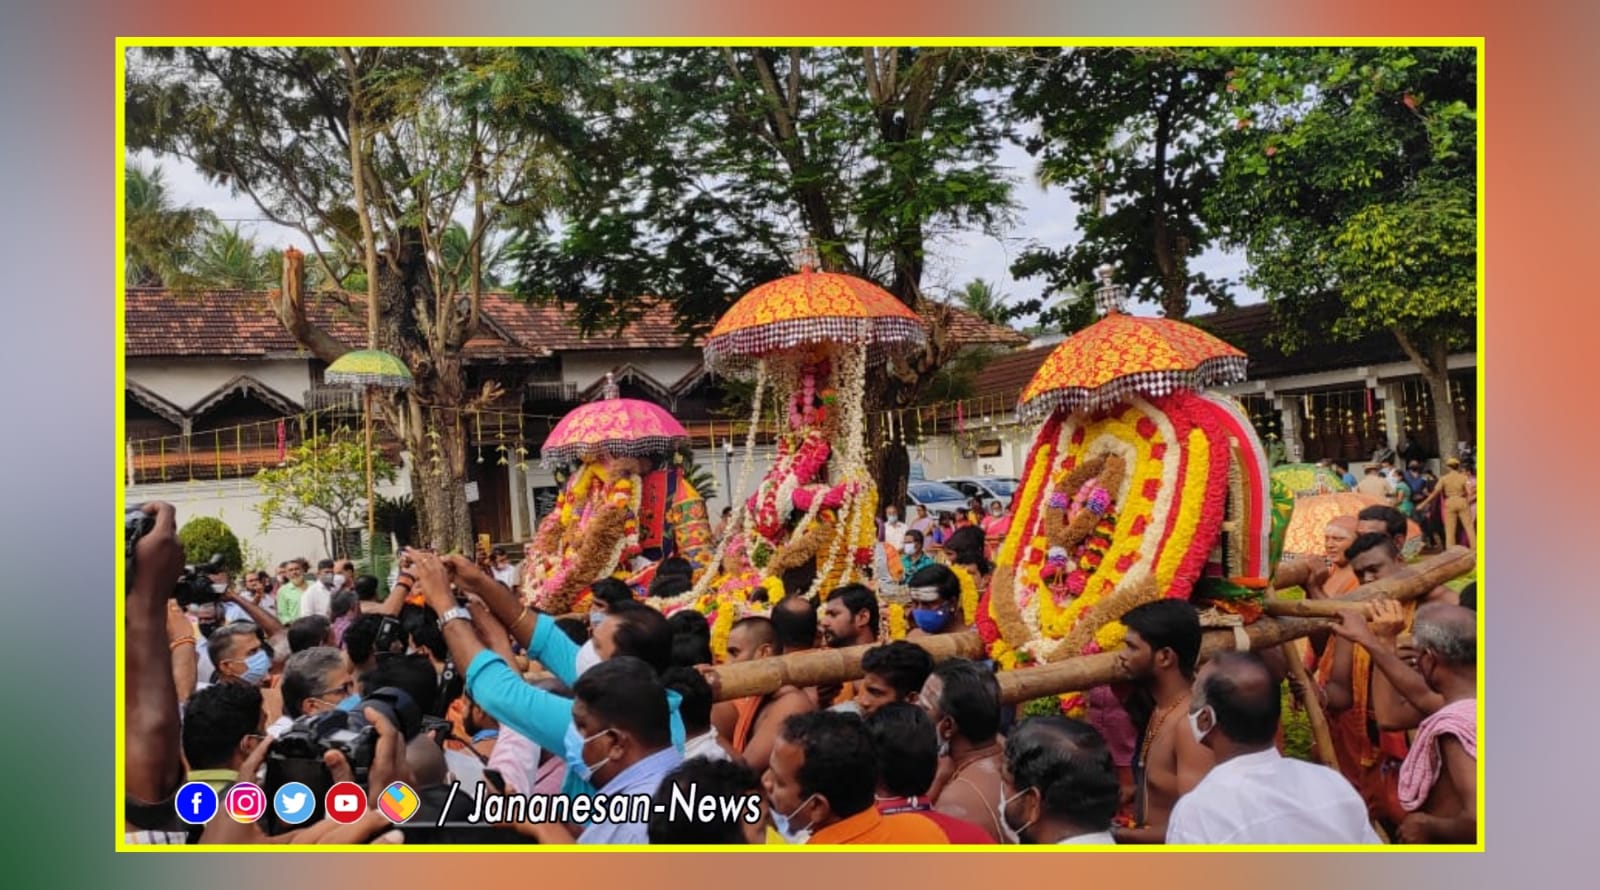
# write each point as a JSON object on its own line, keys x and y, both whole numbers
{"x": 824, "y": 667}
{"x": 1295, "y": 652}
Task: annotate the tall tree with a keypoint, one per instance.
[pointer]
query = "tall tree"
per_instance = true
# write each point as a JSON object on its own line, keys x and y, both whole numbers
{"x": 373, "y": 153}
{"x": 1130, "y": 135}
{"x": 228, "y": 258}
{"x": 159, "y": 236}
{"x": 710, "y": 168}
{"x": 1351, "y": 182}
{"x": 984, "y": 300}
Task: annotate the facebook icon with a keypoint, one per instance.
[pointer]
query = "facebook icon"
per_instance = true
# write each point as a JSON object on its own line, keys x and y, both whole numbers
{"x": 196, "y": 803}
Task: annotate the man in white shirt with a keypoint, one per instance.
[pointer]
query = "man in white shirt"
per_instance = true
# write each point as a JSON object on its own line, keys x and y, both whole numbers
{"x": 1254, "y": 795}
{"x": 894, "y": 529}
{"x": 1059, "y": 784}
{"x": 318, "y": 598}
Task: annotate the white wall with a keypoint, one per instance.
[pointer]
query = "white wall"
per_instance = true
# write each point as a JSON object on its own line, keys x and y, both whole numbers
{"x": 234, "y": 500}
{"x": 667, "y": 366}
{"x": 942, "y": 457}
{"x": 184, "y": 382}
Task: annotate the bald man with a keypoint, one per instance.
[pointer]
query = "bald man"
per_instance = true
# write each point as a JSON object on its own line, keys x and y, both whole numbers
{"x": 1254, "y": 795}
{"x": 758, "y": 719}
{"x": 1436, "y": 676}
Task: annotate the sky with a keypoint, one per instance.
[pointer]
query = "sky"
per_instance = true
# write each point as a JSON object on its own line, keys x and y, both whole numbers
{"x": 1044, "y": 216}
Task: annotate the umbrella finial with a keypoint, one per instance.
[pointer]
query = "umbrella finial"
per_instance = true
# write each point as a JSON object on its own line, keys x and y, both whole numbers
{"x": 807, "y": 258}
{"x": 1109, "y": 298}
{"x": 611, "y": 390}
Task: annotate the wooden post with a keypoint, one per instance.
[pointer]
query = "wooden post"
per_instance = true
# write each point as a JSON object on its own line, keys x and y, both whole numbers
{"x": 372, "y": 510}
{"x": 829, "y": 666}
{"x": 1295, "y": 652}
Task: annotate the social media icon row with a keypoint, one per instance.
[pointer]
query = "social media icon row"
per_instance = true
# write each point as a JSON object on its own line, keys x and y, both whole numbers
{"x": 294, "y": 803}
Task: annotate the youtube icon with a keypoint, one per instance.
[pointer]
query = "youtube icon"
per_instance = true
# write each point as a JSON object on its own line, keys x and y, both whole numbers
{"x": 345, "y": 803}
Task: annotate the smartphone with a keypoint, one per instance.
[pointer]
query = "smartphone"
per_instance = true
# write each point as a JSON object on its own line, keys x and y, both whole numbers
{"x": 495, "y": 780}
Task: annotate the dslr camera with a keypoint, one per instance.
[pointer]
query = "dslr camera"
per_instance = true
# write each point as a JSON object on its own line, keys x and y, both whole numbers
{"x": 194, "y": 587}
{"x": 297, "y": 754}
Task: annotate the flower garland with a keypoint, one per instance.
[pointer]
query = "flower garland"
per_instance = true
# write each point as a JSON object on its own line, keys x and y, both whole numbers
{"x": 969, "y": 593}
{"x": 773, "y": 585}
{"x": 721, "y": 626}
{"x": 897, "y": 622}
{"x": 602, "y": 536}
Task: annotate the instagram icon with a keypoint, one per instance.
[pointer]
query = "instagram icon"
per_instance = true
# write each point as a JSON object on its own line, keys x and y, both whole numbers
{"x": 245, "y": 802}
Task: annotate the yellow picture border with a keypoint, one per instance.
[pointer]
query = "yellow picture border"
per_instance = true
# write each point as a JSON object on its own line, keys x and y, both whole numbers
{"x": 123, "y": 44}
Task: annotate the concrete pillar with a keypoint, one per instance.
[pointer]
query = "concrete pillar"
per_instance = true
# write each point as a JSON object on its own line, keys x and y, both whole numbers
{"x": 1391, "y": 395}
{"x": 521, "y": 526}
{"x": 1289, "y": 418}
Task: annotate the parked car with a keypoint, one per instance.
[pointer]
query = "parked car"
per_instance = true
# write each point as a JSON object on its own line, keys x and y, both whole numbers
{"x": 936, "y": 496}
{"x": 988, "y": 488}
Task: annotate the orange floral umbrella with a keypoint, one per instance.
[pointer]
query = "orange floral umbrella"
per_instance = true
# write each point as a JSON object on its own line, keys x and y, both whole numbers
{"x": 1311, "y": 516}
{"x": 808, "y": 308}
{"x": 615, "y": 427}
{"x": 1122, "y": 355}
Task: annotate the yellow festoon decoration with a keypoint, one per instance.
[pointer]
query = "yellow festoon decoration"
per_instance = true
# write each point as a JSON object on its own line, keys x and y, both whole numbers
{"x": 969, "y": 594}
{"x": 727, "y": 613}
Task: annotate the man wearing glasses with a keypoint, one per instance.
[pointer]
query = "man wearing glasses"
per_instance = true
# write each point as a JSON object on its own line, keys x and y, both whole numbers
{"x": 315, "y": 680}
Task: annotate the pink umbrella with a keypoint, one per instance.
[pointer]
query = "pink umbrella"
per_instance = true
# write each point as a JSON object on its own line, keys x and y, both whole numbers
{"x": 613, "y": 427}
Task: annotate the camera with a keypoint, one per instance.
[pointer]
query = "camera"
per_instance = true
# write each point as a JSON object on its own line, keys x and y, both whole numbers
{"x": 296, "y": 756}
{"x": 194, "y": 587}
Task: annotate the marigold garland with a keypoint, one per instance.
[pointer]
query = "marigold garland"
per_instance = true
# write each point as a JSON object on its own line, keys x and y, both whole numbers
{"x": 969, "y": 593}
{"x": 897, "y": 622}
{"x": 727, "y": 612}
{"x": 773, "y": 585}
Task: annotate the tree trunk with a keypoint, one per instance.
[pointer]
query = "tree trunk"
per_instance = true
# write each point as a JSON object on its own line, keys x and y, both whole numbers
{"x": 1434, "y": 364}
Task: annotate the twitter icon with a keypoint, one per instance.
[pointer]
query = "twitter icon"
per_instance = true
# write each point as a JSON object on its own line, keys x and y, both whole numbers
{"x": 293, "y": 803}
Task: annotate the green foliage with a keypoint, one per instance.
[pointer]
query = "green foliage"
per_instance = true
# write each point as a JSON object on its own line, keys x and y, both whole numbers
{"x": 204, "y": 536}
{"x": 702, "y": 478}
{"x": 251, "y": 557}
{"x": 704, "y": 170}
{"x": 322, "y": 485}
{"x": 227, "y": 258}
{"x": 1042, "y": 707}
{"x": 160, "y": 238}
{"x": 1297, "y": 738}
{"x": 1350, "y": 180}
{"x": 397, "y": 516}
{"x": 984, "y": 299}
{"x": 1131, "y": 134}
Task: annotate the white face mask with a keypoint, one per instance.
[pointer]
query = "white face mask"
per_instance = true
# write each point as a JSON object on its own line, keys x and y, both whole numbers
{"x": 1194, "y": 724}
{"x": 910, "y": 548}
{"x": 338, "y": 581}
{"x": 792, "y": 835}
{"x": 219, "y": 588}
{"x": 893, "y": 517}
{"x": 1012, "y": 835}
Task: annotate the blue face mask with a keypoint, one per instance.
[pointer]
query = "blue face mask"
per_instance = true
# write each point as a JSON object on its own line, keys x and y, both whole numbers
{"x": 256, "y": 667}
{"x": 351, "y": 702}
{"x": 931, "y": 620}
{"x": 780, "y": 823}
{"x": 574, "y": 753}
{"x": 596, "y": 617}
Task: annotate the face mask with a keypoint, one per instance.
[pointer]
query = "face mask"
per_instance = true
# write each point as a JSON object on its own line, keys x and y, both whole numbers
{"x": 219, "y": 588}
{"x": 350, "y": 703}
{"x": 1194, "y": 724}
{"x": 256, "y": 667}
{"x": 893, "y": 517}
{"x": 790, "y": 834}
{"x": 931, "y": 620}
{"x": 587, "y": 658}
{"x": 327, "y": 580}
{"x": 596, "y": 617}
{"x": 338, "y": 581}
{"x": 574, "y": 753}
{"x": 944, "y": 747}
{"x": 1012, "y": 835}
{"x": 207, "y": 628}
{"x": 909, "y": 548}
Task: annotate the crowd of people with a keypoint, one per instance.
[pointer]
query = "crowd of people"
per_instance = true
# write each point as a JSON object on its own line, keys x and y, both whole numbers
{"x": 462, "y": 686}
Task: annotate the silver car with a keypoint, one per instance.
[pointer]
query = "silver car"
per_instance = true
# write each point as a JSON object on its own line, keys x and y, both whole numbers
{"x": 986, "y": 488}
{"x": 937, "y": 497}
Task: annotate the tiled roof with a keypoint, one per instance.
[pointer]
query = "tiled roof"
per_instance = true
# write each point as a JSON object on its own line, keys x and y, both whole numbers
{"x": 241, "y": 325}
{"x": 1006, "y": 376}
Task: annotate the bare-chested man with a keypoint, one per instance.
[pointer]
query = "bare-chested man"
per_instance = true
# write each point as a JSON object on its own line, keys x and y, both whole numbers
{"x": 1437, "y": 676}
{"x": 756, "y": 720}
{"x": 1159, "y": 652}
{"x": 962, "y": 699}
{"x": 1373, "y": 556}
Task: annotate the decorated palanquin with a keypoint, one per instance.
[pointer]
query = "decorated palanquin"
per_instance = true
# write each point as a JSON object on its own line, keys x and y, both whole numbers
{"x": 626, "y": 507}
{"x": 810, "y": 338}
{"x": 1138, "y": 486}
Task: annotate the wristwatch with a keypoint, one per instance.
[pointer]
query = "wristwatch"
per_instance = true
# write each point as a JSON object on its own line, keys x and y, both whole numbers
{"x": 452, "y": 615}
